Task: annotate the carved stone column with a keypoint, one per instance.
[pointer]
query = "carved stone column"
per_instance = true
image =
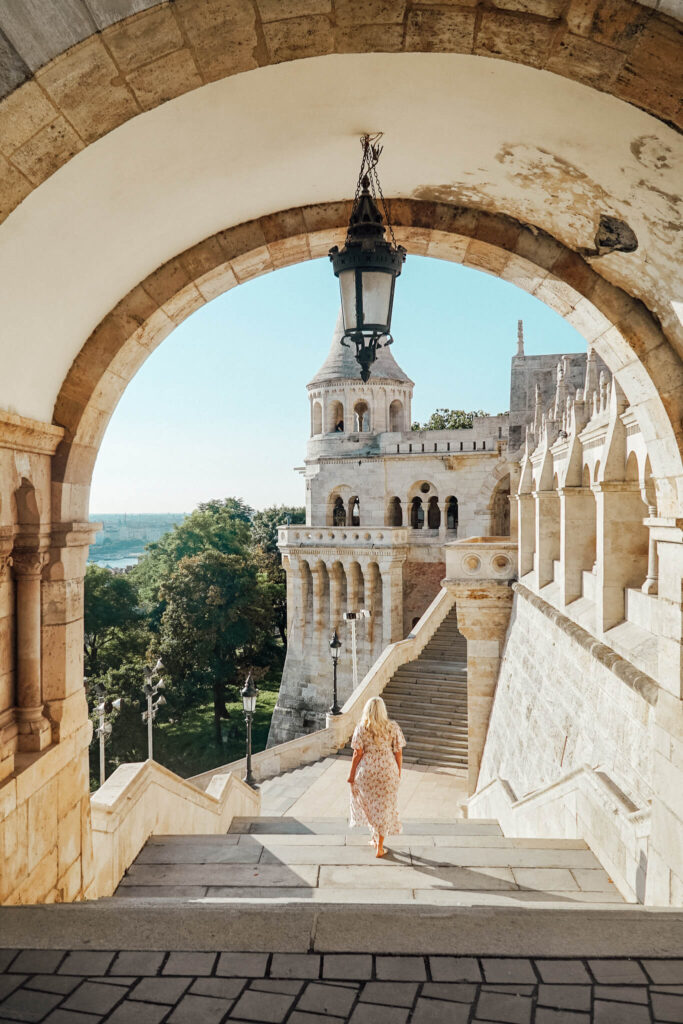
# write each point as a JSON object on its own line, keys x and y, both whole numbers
{"x": 35, "y": 732}
{"x": 8, "y": 723}
{"x": 479, "y": 573}
{"x": 622, "y": 545}
{"x": 526, "y": 532}
{"x": 547, "y": 536}
{"x": 392, "y": 602}
{"x": 577, "y": 539}
{"x": 650, "y": 586}
{"x": 336, "y": 586}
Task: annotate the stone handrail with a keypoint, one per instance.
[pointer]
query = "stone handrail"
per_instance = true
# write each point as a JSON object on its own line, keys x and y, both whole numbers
{"x": 145, "y": 799}
{"x": 315, "y": 745}
{"x": 315, "y": 536}
{"x": 601, "y": 814}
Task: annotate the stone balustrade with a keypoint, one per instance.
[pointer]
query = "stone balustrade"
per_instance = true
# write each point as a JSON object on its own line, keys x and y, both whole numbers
{"x": 342, "y": 536}
{"x": 145, "y": 799}
{"x": 491, "y": 559}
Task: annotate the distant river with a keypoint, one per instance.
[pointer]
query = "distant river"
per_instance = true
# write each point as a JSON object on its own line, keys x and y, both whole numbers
{"x": 117, "y": 563}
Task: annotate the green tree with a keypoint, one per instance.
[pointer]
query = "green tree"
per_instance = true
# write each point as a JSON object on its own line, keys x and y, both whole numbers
{"x": 112, "y": 618}
{"x": 449, "y": 419}
{"x": 269, "y": 563}
{"x": 214, "y": 627}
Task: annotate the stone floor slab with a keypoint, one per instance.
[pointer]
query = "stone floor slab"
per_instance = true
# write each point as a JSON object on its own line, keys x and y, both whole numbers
{"x": 618, "y": 972}
{"x": 400, "y": 968}
{"x": 434, "y": 1011}
{"x": 86, "y": 962}
{"x": 389, "y": 993}
{"x": 568, "y": 997}
{"x": 195, "y": 1009}
{"x": 324, "y": 997}
{"x": 218, "y": 874}
{"x": 242, "y": 965}
{"x": 132, "y": 1012}
{"x": 25, "y": 1005}
{"x": 199, "y": 853}
{"x": 508, "y": 970}
{"x": 504, "y": 1007}
{"x": 353, "y": 966}
{"x": 295, "y": 965}
{"x": 665, "y": 972}
{"x": 563, "y": 972}
{"x": 387, "y": 875}
{"x": 264, "y": 1007}
{"x": 548, "y": 879}
{"x": 91, "y": 997}
{"x": 188, "y": 964}
{"x": 454, "y": 968}
{"x": 138, "y": 963}
{"x": 160, "y": 990}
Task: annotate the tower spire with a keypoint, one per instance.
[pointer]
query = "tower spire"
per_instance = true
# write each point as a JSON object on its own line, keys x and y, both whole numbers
{"x": 520, "y": 337}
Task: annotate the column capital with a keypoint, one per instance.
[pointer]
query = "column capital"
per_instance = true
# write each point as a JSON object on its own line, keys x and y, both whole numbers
{"x": 74, "y": 534}
{"x": 29, "y": 563}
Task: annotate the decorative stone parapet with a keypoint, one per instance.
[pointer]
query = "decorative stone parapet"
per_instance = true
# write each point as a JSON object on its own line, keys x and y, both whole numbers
{"x": 315, "y": 537}
{"x": 481, "y": 558}
{"x": 25, "y": 435}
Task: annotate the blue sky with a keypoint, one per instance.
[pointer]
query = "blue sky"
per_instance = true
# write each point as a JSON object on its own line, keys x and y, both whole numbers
{"x": 221, "y": 408}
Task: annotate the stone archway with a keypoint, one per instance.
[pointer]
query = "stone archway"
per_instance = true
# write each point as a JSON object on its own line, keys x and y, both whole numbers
{"x": 620, "y": 328}
{"x": 70, "y": 82}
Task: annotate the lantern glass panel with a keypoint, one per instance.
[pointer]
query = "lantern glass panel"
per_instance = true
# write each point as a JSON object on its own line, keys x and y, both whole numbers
{"x": 347, "y": 286}
{"x": 377, "y": 297}
{"x": 249, "y": 703}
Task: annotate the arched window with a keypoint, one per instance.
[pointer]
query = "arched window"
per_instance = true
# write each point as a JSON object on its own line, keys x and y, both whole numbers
{"x": 433, "y": 513}
{"x": 417, "y": 514}
{"x": 361, "y": 417}
{"x": 338, "y": 512}
{"x": 395, "y": 513}
{"x": 317, "y": 419}
{"x": 354, "y": 512}
{"x": 335, "y": 418}
{"x": 451, "y": 513}
{"x": 396, "y": 415}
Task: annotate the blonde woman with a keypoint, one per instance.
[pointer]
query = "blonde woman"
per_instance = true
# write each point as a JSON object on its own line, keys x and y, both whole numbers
{"x": 375, "y": 772}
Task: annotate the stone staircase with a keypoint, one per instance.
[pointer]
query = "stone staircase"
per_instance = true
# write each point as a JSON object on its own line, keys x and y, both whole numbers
{"x": 283, "y": 859}
{"x": 428, "y": 698}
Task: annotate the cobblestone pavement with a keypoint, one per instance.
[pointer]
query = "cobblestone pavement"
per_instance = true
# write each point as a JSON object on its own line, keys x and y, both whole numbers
{"x": 86, "y": 987}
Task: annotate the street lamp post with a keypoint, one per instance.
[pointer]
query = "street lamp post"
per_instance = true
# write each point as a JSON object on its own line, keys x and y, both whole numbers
{"x": 153, "y": 684}
{"x": 367, "y": 265}
{"x": 105, "y": 707}
{"x": 353, "y": 618}
{"x": 335, "y": 645}
{"x": 249, "y": 695}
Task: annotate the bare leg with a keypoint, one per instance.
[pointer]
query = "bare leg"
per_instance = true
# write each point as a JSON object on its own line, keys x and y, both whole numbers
{"x": 381, "y": 852}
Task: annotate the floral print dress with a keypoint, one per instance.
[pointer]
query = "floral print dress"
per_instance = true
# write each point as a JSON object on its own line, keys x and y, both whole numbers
{"x": 374, "y": 794}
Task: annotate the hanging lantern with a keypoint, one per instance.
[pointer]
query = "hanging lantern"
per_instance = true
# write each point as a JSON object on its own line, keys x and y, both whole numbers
{"x": 368, "y": 265}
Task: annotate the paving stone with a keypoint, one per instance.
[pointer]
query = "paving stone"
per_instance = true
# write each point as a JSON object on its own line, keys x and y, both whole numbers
{"x": 563, "y": 972}
{"x": 454, "y": 991}
{"x": 137, "y": 963}
{"x": 513, "y": 990}
{"x": 622, "y": 994}
{"x": 389, "y": 993}
{"x": 89, "y": 963}
{"x": 26, "y": 1005}
{"x": 568, "y": 997}
{"x": 161, "y": 990}
{"x": 37, "y": 961}
{"x": 9, "y": 982}
{"x": 547, "y": 1016}
{"x": 370, "y": 1013}
{"x": 436, "y": 1011}
{"x": 242, "y": 965}
{"x": 222, "y": 988}
{"x": 6, "y": 958}
{"x": 91, "y": 997}
{"x": 132, "y": 1012}
{"x": 503, "y": 1006}
{"x": 509, "y": 969}
{"x": 617, "y": 972}
{"x": 193, "y": 1009}
{"x": 664, "y": 972}
{"x": 355, "y": 966}
{"x": 619, "y": 1013}
{"x": 295, "y": 965}
{"x": 401, "y": 968}
{"x": 190, "y": 963}
{"x": 67, "y": 1017}
{"x": 53, "y": 983}
{"x": 312, "y": 1018}
{"x": 667, "y": 1007}
{"x": 288, "y": 986}
{"x": 326, "y": 998}
{"x": 454, "y": 968}
{"x": 122, "y": 981}
{"x": 264, "y": 1007}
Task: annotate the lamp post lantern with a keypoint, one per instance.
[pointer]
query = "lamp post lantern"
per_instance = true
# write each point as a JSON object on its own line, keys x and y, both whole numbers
{"x": 249, "y": 695}
{"x": 367, "y": 266}
{"x": 104, "y": 707}
{"x": 153, "y": 684}
{"x": 335, "y": 645}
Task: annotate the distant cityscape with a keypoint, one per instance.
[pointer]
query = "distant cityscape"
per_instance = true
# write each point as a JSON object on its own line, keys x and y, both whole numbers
{"x": 124, "y": 535}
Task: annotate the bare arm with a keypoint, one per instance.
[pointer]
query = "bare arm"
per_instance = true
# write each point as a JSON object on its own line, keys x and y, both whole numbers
{"x": 398, "y": 754}
{"x": 357, "y": 757}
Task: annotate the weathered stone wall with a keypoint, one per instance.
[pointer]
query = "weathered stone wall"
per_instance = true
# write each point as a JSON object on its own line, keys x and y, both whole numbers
{"x": 557, "y": 708}
{"x": 421, "y": 584}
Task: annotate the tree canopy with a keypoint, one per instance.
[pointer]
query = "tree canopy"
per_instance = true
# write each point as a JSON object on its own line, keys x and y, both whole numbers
{"x": 449, "y": 419}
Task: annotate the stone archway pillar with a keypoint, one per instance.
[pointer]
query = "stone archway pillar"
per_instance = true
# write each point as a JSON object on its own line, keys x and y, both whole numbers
{"x": 35, "y": 733}
{"x": 577, "y": 539}
{"x": 392, "y": 602}
{"x": 526, "y": 531}
{"x": 547, "y": 536}
{"x": 620, "y": 517}
{"x": 8, "y": 724}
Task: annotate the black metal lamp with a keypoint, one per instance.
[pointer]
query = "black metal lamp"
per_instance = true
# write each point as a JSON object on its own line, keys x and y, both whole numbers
{"x": 249, "y": 693}
{"x": 335, "y": 646}
{"x": 368, "y": 265}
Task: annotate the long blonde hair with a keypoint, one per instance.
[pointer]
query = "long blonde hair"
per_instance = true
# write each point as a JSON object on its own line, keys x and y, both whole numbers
{"x": 375, "y": 718}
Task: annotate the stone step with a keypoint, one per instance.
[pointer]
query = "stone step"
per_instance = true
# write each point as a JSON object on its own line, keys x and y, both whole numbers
{"x": 276, "y": 824}
{"x": 445, "y": 720}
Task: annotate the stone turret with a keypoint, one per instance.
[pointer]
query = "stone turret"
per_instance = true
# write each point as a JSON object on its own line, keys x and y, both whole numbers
{"x": 342, "y": 404}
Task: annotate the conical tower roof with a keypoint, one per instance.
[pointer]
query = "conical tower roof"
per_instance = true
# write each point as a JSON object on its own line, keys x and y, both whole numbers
{"x": 341, "y": 363}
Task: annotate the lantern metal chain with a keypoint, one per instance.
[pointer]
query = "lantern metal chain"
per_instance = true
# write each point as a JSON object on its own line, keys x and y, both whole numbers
{"x": 368, "y": 168}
